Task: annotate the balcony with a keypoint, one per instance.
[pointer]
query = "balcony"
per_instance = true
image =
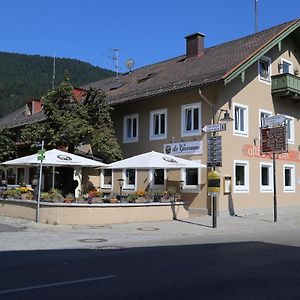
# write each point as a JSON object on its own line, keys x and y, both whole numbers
{"x": 286, "y": 86}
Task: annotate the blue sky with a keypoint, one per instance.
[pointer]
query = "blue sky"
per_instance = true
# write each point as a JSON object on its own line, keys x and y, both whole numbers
{"x": 148, "y": 31}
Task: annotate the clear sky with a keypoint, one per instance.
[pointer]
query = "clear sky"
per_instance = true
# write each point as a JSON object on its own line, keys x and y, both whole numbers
{"x": 147, "y": 31}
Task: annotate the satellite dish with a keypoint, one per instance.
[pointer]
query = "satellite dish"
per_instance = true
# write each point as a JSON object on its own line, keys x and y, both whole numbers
{"x": 129, "y": 63}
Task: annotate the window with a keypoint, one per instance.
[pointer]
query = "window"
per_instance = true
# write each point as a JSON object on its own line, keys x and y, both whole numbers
{"x": 287, "y": 66}
{"x": 264, "y": 69}
{"x": 240, "y": 119}
{"x": 262, "y": 115}
{"x": 106, "y": 179}
{"x": 266, "y": 177}
{"x": 157, "y": 177}
{"x": 190, "y": 119}
{"x": 130, "y": 126}
{"x": 289, "y": 178}
{"x": 158, "y": 124}
{"x": 290, "y": 131}
{"x": 191, "y": 178}
{"x": 241, "y": 176}
{"x": 129, "y": 175}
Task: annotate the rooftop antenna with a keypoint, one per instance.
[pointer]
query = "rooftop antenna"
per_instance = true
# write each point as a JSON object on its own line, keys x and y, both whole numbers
{"x": 115, "y": 58}
{"x": 256, "y": 16}
{"x": 53, "y": 74}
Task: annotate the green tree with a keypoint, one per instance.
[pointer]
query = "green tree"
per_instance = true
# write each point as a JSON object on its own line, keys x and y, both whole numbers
{"x": 7, "y": 145}
{"x": 70, "y": 123}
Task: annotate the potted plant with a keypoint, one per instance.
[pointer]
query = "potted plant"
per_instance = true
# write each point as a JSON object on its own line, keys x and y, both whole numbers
{"x": 142, "y": 196}
{"x": 56, "y": 195}
{"x": 132, "y": 198}
{"x": 45, "y": 196}
{"x": 69, "y": 198}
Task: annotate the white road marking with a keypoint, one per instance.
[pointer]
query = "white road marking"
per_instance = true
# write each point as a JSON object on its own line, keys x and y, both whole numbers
{"x": 41, "y": 286}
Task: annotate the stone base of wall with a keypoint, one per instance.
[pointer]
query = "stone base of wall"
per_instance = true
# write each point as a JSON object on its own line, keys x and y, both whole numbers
{"x": 94, "y": 214}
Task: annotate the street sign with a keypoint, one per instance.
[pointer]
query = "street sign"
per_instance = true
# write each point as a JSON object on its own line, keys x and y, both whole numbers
{"x": 41, "y": 154}
{"x": 273, "y": 139}
{"x": 214, "y": 151}
{"x": 273, "y": 121}
{"x": 214, "y": 127}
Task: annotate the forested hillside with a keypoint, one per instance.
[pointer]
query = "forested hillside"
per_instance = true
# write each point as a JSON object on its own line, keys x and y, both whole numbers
{"x": 30, "y": 76}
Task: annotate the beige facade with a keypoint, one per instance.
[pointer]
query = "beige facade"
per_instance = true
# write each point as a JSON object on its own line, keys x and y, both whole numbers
{"x": 247, "y": 94}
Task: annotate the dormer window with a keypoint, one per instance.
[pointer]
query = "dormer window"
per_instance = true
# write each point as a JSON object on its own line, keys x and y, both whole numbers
{"x": 264, "y": 69}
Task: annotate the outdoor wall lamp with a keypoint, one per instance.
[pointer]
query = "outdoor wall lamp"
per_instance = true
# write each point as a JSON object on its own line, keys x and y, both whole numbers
{"x": 280, "y": 66}
{"x": 226, "y": 117}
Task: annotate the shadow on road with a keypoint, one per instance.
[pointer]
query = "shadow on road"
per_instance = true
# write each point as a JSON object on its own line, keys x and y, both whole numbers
{"x": 246, "y": 270}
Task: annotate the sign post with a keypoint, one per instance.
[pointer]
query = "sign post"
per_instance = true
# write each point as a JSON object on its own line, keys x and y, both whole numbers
{"x": 40, "y": 157}
{"x": 274, "y": 141}
{"x": 213, "y": 188}
{"x": 214, "y": 159}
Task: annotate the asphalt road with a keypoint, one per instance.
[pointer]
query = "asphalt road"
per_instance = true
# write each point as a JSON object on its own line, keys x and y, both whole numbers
{"x": 242, "y": 270}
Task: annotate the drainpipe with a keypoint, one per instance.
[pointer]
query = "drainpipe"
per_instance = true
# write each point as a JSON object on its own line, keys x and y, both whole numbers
{"x": 210, "y": 103}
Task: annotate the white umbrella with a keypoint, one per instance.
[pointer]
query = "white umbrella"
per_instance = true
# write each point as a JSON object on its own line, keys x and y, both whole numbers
{"x": 53, "y": 158}
{"x": 154, "y": 160}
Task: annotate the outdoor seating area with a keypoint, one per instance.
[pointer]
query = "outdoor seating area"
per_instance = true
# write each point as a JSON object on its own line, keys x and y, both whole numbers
{"x": 118, "y": 204}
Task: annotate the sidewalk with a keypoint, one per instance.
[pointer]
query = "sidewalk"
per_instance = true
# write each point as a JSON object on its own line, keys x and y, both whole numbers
{"x": 258, "y": 226}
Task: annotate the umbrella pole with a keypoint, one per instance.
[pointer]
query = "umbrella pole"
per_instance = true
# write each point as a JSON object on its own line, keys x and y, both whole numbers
{"x": 53, "y": 177}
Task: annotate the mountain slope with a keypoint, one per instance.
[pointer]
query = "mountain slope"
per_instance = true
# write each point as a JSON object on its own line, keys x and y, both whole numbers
{"x": 30, "y": 76}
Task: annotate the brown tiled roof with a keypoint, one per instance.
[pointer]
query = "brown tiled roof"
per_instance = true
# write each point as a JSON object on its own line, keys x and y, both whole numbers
{"x": 19, "y": 118}
{"x": 180, "y": 73}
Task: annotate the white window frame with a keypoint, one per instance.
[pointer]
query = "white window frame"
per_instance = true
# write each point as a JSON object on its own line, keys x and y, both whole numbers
{"x": 266, "y": 188}
{"x": 190, "y": 188}
{"x": 102, "y": 184}
{"x": 292, "y": 188}
{"x": 263, "y": 111}
{"x": 246, "y": 109}
{"x": 130, "y": 139}
{"x": 151, "y": 180}
{"x": 261, "y": 79}
{"x": 291, "y": 69}
{"x": 192, "y": 132}
{"x": 241, "y": 188}
{"x": 291, "y": 140}
{"x": 159, "y": 136}
{"x": 129, "y": 186}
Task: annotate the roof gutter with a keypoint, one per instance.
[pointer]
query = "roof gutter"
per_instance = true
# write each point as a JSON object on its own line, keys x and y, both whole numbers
{"x": 235, "y": 72}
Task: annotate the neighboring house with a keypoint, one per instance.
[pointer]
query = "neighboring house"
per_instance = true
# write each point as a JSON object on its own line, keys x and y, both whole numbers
{"x": 165, "y": 105}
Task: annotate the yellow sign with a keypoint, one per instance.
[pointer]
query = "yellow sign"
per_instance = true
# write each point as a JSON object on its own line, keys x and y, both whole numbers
{"x": 213, "y": 182}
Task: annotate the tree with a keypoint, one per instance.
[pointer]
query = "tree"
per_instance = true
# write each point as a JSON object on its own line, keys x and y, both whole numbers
{"x": 7, "y": 145}
{"x": 70, "y": 123}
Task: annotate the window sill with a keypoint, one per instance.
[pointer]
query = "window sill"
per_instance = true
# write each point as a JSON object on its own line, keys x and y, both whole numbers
{"x": 130, "y": 141}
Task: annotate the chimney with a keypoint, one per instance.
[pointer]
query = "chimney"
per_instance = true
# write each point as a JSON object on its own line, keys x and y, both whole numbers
{"x": 195, "y": 44}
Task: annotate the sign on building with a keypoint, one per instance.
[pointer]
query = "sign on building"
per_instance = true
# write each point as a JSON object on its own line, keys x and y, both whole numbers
{"x": 214, "y": 151}
{"x": 184, "y": 148}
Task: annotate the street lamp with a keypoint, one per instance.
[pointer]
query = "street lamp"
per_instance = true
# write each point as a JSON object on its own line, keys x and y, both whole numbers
{"x": 121, "y": 184}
